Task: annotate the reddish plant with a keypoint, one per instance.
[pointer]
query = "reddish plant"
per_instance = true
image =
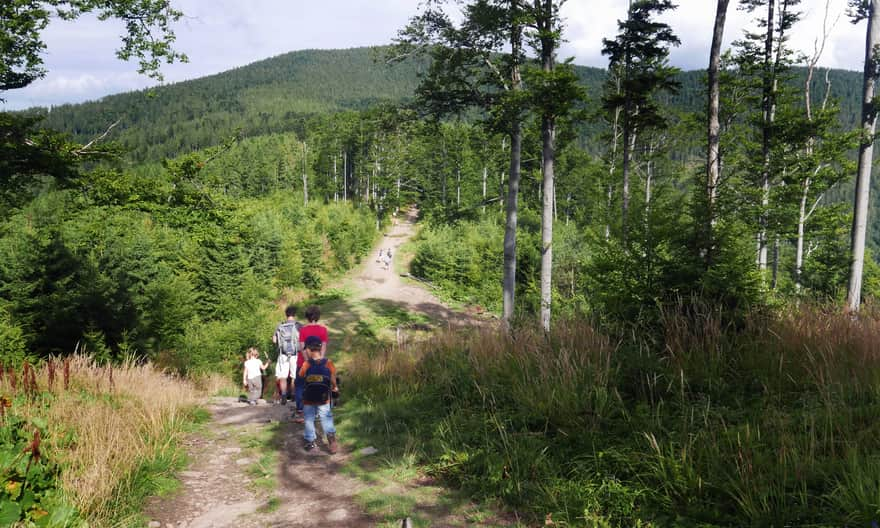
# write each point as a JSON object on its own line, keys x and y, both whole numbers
{"x": 33, "y": 448}
{"x": 50, "y": 368}
{"x": 110, "y": 371}
{"x": 29, "y": 380}
{"x": 13, "y": 379}
{"x": 66, "y": 373}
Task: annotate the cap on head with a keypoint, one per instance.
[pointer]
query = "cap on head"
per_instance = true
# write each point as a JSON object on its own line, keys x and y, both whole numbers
{"x": 313, "y": 343}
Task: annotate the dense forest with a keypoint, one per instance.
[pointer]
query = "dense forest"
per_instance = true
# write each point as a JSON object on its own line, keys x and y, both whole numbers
{"x": 692, "y": 234}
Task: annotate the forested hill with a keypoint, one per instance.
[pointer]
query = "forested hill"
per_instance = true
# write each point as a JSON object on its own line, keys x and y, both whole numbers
{"x": 278, "y": 94}
{"x": 271, "y": 95}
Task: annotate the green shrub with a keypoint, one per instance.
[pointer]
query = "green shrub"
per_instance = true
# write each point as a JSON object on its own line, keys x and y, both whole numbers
{"x": 29, "y": 491}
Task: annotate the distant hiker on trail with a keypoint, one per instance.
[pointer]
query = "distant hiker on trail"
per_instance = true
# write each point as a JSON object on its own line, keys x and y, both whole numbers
{"x": 387, "y": 259}
{"x": 379, "y": 258}
{"x": 319, "y": 374}
{"x": 286, "y": 339}
{"x": 312, "y": 328}
{"x": 252, "y": 377}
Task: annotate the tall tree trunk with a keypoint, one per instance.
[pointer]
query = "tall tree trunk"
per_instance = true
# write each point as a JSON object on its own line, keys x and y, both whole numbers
{"x": 509, "y": 279}
{"x": 344, "y": 175}
{"x": 767, "y": 100}
{"x": 548, "y": 139}
{"x": 305, "y": 177}
{"x": 458, "y": 187}
{"x": 713, "y": 155}
{"x": 803, "y": 214}
{"x": 485, "y": 174}
{"x": 335, "y": 181}
{"x": 615, "y": 137}
{"x": 866, "y": 154}
{"x": 629, "y": 143}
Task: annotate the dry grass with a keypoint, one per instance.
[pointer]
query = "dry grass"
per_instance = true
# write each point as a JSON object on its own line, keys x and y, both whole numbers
{"x": 104, "y": 422}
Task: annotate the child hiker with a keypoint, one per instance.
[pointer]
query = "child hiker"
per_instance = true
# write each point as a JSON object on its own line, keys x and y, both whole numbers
{"x": 319, "y": 374}
{"x": 252, "y": 377}
{"x": 312, "y": 328}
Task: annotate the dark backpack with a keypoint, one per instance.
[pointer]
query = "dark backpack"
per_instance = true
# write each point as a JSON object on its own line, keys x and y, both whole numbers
{"x": 288, "y": 338}
{"x": 318, "y": 383}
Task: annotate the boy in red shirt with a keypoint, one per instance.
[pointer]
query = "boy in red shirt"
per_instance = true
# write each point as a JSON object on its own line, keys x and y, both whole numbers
{"x": 311, "y": 329}
{"x": 319, "y": 375}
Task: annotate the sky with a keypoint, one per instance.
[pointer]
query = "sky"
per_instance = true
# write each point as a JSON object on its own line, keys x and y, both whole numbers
{"x": 218, "y": 35}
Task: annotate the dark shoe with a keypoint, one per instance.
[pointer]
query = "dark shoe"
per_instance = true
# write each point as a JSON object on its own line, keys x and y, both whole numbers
{"x": 283, "y": 401}
{"x": 308, "y": 446}
{"x": 299, "y": 419}
{"x": 332, "y": 444}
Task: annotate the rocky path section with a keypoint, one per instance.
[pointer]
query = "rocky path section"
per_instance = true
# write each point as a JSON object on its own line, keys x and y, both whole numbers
{"x": 223, "y": 488}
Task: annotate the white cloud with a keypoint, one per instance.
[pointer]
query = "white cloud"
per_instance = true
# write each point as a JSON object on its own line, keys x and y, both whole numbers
{"x": 222, "y": 34}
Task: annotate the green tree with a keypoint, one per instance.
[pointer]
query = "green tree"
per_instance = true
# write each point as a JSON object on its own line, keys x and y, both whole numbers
{"x": 640, "y": 53}
{"x": 870, "y": 10}
{"x": 148, "y": 36}
{"x": 478, "y": 64}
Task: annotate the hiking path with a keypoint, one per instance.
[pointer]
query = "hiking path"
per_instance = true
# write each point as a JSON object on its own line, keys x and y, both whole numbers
{"x": 247, "y": 466}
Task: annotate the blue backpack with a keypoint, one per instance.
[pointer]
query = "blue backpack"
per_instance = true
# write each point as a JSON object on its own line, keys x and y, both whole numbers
{"x": 318, "y": 382}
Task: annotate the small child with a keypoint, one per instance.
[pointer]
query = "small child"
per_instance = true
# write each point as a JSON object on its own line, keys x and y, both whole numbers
{"x": 319, "y": 374}
{"x": 252, "y": 377}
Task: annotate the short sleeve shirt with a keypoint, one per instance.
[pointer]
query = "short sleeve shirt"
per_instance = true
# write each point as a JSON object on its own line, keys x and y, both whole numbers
{"x": 311, "y": 329}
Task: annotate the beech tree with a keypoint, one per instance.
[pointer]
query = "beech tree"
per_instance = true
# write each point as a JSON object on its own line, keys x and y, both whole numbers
{"x": 713, "y": 154}
{"x": 477, "y": 64}
{"x": 554, "y": 90}
{"x": 148, "y": 35}
{"x": 861, "y": 10}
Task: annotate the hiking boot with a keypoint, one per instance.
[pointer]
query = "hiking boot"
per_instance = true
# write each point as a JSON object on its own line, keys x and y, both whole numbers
{"x": 332, "y": 444}
{"x": 283, "y": 401}
{"x": 308, "y": 446}
{"x": 299, "y": 419}
{"x": 299, "y": 412}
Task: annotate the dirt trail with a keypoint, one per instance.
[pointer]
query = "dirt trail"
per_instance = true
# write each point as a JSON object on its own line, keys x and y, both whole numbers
{"x": 376, "y": 281}
{"x": 232, "y": 481}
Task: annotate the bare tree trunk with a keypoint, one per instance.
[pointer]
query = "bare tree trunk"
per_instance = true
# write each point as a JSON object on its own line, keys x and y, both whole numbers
{"x": 305, "y": 177}
{"x": 801, "y": 228}
{"x": 546, "y": 9}
{"x": 767, "y": 105}
{"x": 866, "y": 154}
{"x": 485, "y": 174}
{"x": 335, "y": 181}
{"x": 629, "y": 142}
{"x": 803, "y": 214}
{"x": 509, "y": 279}
{"x": 713, "y": 155}
{"x": 344, "y": 175}
{"x": 458, "y": 187}
{"x": 615, "y": 137}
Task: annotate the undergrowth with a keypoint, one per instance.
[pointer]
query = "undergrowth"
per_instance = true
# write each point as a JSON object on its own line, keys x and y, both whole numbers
{"x": 769, "y": 420}
{"x": 86, "y": 444}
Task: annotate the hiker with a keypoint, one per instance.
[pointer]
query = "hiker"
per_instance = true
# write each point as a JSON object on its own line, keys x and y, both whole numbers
{"x": 319, "y": 374}
{"x": 252, "y": 376}
{"x": 388, "y": 259}
{"x": 286, "y": 339}
{"x": 379, "y": 258}
{"x": 311, "y": 328}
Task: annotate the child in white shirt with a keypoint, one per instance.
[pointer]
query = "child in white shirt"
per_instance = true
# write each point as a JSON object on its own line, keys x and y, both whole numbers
{"x": 252, "y": 377}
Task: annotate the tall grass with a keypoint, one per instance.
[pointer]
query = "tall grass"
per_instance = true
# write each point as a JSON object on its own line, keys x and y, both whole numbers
{"x": 766, "y": 420}
{"x": 105, "y": 424}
